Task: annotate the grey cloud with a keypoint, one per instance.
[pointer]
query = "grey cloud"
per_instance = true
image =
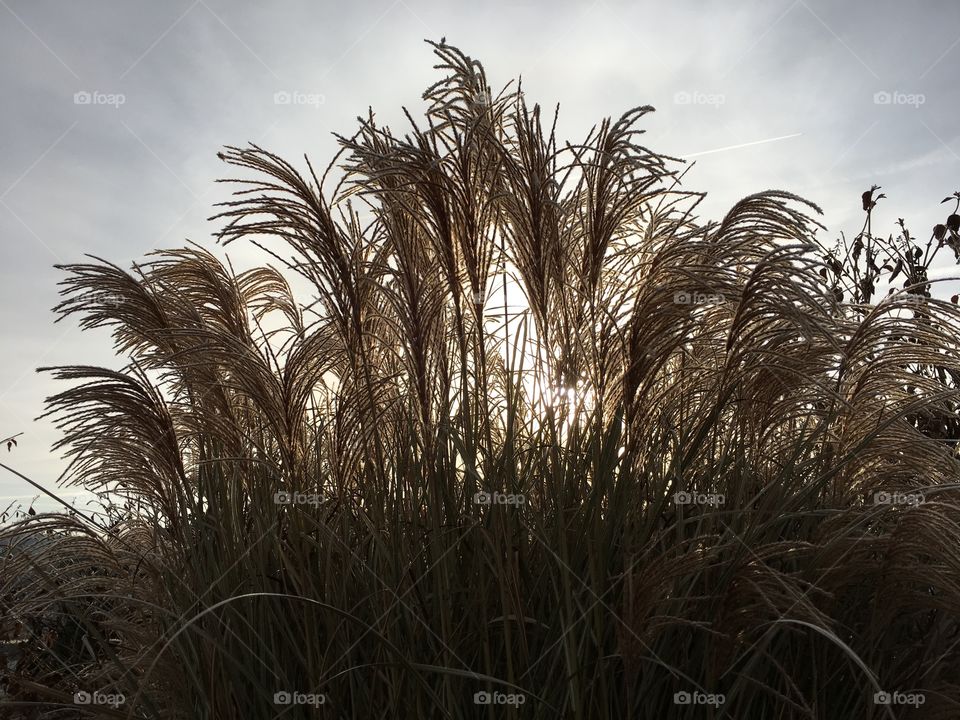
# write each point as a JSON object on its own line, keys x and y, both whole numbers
{"x": 198, "y": 75}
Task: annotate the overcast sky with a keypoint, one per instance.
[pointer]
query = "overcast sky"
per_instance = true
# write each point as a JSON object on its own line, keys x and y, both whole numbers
{"x": 113, "y": 112}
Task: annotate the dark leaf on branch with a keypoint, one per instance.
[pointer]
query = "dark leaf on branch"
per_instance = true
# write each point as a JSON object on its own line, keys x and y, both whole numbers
{"x": 897, "y": 270}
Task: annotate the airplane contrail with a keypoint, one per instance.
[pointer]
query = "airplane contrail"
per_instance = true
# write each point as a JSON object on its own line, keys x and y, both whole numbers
{"x": 741, "y": 145}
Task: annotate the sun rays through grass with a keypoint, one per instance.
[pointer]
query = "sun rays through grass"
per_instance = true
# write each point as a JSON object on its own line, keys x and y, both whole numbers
{"x": 541, "y": 442}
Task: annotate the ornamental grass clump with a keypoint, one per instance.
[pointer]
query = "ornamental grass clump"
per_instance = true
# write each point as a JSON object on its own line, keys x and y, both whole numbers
{"x": 540, "y": 442}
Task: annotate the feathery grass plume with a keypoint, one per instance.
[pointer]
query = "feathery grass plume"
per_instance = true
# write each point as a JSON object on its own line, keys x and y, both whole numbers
{"x": 679, "y": 472}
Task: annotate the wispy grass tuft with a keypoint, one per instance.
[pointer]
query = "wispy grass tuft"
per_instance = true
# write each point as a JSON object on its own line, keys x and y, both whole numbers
{"x": 673, "y": 481}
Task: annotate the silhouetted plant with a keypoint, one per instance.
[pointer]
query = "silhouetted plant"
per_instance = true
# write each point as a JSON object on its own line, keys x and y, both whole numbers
{"x": 406, "y": 490}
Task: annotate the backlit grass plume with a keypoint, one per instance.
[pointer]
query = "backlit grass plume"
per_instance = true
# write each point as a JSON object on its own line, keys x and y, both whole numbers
{"x": 539, "y": 442}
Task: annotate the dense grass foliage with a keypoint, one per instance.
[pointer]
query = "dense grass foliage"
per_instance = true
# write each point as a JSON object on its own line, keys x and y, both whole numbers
{"x": 701, "y": 468}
